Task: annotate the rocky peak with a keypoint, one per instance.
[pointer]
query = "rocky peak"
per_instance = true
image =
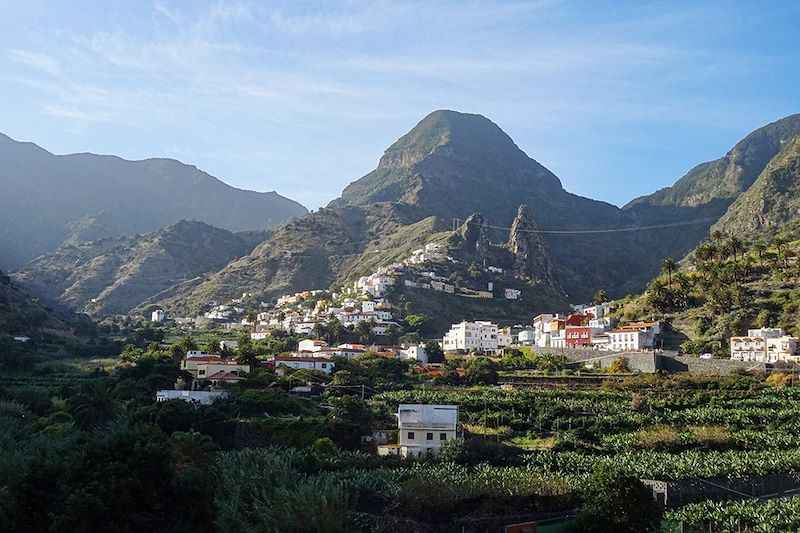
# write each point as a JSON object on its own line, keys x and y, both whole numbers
{"x": 475, "y": 232}
{"x": 531, "y": 255}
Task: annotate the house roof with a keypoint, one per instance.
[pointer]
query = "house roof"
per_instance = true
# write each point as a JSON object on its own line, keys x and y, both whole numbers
{"x": 302, "y": 359}
{"x": 205, "y": 358}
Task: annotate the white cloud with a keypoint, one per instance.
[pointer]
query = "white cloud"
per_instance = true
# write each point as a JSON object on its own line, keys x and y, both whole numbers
{"x": 36, "y": 60}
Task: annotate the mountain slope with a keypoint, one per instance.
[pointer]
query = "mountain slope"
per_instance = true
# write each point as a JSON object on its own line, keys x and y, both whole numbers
{"x": 114, "y": 275}
{"x": 772, "y": 202}
{"x": 310, "y": 252}
{"x": 451, "y": 165}
{"x": 47, "y": 199}
{"x": 728, "y": 176}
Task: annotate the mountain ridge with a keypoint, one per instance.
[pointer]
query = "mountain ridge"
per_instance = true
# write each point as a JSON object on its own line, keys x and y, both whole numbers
{"x": 44, "y": 195}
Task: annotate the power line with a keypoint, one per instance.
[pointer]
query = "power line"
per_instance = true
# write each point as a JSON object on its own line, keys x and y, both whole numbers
{"x": 605, "y": 230}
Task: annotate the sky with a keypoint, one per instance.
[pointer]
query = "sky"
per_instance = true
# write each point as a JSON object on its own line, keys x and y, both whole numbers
{"x": 616, "y": 98}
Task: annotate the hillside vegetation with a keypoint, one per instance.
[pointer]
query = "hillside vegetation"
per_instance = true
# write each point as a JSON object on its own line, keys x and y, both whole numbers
{"x": 722, "y": 288}
{"x": 114, "y": 275}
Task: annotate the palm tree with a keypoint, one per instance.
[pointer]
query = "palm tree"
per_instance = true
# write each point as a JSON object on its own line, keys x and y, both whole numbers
{"x": 669, "y": 266}
{"x": 760, "y": 247}
{"x": 94, "y": 406}
{"x": 717, "y": 236}
{"x": 599, "y": 297}
{"x": 735, "y": 246}
{"x": 780, "y": 242}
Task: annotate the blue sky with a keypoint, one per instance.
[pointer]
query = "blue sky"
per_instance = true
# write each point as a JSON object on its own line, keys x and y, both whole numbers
{"x": 617, "y": 99}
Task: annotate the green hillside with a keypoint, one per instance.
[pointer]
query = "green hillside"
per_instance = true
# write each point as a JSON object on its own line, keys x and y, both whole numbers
{"x": 722, "y": 288}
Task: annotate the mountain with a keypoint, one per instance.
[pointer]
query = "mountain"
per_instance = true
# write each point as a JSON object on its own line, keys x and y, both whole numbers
{"x": 314, "y": 252}
{"x": 723, "y": 180}
{"x": 116, "y": 274}
{"x": 771, "y": 202}
{"x": 48, "y": 199}
{"x": 448, "y": 166}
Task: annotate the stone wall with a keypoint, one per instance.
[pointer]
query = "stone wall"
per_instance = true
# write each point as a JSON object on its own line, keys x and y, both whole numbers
{"x": 695, "y": 365}
{"x": 650, "y": 362}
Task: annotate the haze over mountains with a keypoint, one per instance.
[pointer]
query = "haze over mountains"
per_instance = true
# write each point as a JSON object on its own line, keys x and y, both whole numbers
{"x": 447, "y": 167}
{"x": 48, "y": 199}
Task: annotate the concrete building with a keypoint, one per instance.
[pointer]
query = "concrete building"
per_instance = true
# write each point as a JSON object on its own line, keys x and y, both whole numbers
{"x": 322, "y": 364}
{"x": 201, "y": 397}
{"x": 311, "y": 345}
{"x": 416, "y": 352}
{"x": 479, "y": 336}
{"x": 158, "y": 316}
{"x": 423, "y": 430}
{"x": 765, "y": 345}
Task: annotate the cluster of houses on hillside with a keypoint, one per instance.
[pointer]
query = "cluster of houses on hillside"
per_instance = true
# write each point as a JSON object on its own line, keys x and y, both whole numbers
{"x": 301, "y": 313}
{"x": 586, "y": 327}
{"x": 765, "y": 345}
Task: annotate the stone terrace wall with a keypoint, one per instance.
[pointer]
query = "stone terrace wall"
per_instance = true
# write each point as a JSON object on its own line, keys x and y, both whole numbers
{"x": 695, "y": 365}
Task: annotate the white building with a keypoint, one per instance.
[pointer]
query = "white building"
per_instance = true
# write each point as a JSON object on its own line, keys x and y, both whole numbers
{"x": 201, "y": 397}
{"x": 783, "y": 348}
{"x": 526, "y": 337}
{"x": 323, "y": 364}
{"x": 416, "y": 352}
{"x": 480, "y": 336}
{"x": 423, "y": 430}
{"x": 764, "y": 345}
{"x": 311, "y": 345}
{"x": 158, "y": 316}
{"x": 21, "y": 338}
{"x": 626, "y": 340}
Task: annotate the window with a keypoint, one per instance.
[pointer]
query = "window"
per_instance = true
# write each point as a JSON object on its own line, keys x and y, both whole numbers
{"x": 410, "y": 435}
{"x": 429, "y": 436}
{"x": 442, "y": 436}
{"x": 324, "y": 365}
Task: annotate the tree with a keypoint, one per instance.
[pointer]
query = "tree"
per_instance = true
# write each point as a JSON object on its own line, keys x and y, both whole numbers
{"x": 735, "y": 246}
{"x": 434, "y": 351}
{"x": 481, "y": 371}
{"x": 616, "y": 502}
{"x": 350, "y": 418}
{"x": 717, "y": 236}
{"x": 760, "y": 248}
{"x": 669, "y": 266}
{"x": 599, "y": 297}
{"x": 420, "y": 323}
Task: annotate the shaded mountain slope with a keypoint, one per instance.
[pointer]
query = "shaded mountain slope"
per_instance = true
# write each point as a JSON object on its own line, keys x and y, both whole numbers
{"x": 114, "y": 275}
{"x": 48, "y": 199}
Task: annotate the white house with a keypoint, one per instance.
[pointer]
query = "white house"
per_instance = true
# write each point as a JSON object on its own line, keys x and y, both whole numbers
{"x": 201, "y": 397}
{"x": 21, "y": 338}
{"x": 478, "y": 336}
{"x": 783, "y": 348}
{"x": 158, "y": 316}
{"x": 526, "y": 337}
{"x": 415, "y": 352}
{"x": 625, "y": 340}
{"x": 323, "y": 364}
{"x": 311, "y": 345}
{"x": 423, "y": 430}
{"x": 764, "y": 345}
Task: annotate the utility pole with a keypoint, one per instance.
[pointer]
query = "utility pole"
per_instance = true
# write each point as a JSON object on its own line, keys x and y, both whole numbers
{"x": 362, "y": 391}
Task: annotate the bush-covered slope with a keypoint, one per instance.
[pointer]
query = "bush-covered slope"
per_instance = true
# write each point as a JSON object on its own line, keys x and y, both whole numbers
{"x": 114, "y": 275}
